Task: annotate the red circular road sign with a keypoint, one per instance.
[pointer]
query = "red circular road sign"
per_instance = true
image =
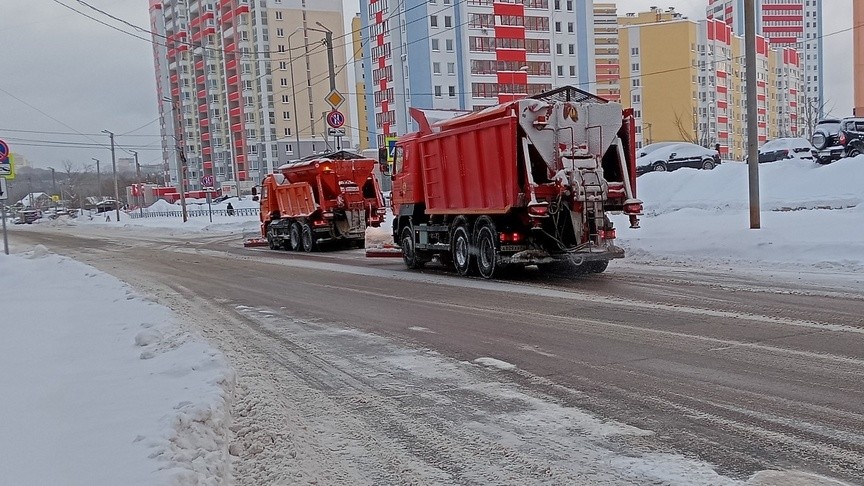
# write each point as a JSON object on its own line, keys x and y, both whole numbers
{"x": 335, "y": 119}
{"x": 4, "y": 149}
{"x": 207, "y": 181}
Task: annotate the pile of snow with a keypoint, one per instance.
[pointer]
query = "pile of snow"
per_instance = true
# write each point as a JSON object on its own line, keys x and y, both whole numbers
{"x": 812, "y": 217}
{"x": 100, "y": 386}
{"x": 382, "y": 235}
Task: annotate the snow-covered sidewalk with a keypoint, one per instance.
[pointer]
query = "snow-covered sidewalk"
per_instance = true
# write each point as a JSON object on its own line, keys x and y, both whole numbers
{"x": 100, "y": 386}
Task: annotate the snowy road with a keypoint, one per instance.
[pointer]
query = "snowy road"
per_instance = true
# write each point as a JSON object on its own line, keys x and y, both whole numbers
{"x": 358, "y": 372}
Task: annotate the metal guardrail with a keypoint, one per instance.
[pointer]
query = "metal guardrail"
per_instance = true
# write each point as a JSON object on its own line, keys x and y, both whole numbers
{"x": 193, "y": 213}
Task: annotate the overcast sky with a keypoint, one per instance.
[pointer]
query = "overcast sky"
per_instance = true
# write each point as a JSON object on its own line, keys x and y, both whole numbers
{"x": 65, "y": 73}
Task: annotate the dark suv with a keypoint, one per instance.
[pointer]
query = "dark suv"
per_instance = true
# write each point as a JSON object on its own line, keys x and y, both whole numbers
{"x": 835, "y": 139}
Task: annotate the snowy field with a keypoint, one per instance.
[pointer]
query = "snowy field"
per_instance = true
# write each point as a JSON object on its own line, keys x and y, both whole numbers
{"x": 100, "y": 386}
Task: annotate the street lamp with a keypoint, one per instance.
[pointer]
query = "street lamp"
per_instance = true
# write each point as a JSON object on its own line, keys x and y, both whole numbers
{"x": 114, "y": 169}
{"x": 329, "y": 41}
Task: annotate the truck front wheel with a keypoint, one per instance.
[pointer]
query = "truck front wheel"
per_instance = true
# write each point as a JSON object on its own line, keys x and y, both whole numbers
{"x": 409, "y": 249}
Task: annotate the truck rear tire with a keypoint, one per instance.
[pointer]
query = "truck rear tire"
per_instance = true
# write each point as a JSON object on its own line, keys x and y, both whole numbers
{"x": 295, "y": 237}
{"x": 308, "y": 238}
{"x": 461, "y": 251}
{"x": 487, "y": 253}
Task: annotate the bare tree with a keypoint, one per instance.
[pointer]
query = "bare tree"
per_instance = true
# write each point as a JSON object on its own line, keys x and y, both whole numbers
{"x": 74, "y": 185}
{"x": 696, "y": 136}
{"x": 812, "y": 109}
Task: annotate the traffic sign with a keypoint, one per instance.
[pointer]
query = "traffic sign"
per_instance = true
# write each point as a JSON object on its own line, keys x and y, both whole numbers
{"x": 7, "y": 166}
{"x": 335, "y": 119}
{"x": 207, "y": 181}
{"x": 336, "y": 132}
{"x": 6, "y": 161}
{"x": 334, "y": 99}
{"x": 391, "y": 148}
{"x": 3, "y": 195}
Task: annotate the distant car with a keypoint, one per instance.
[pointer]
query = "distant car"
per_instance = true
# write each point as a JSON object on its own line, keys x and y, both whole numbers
{"x": 675, "y": 155}
{"x": 27, "y": 216}
{"x": 835, "y": 139}
{"x": 786, "y": 148}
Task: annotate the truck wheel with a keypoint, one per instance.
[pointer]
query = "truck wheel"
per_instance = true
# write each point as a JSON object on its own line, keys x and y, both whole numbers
{"x": 296, "y": 233}
{"x": 270, "y": 241}
{"x": 461, "y": 250}
{"x": 487, "y": 253}
{"x": 409, "y": 250}
{"x": 596, "y": 267}
{"x": 308, "y": 238}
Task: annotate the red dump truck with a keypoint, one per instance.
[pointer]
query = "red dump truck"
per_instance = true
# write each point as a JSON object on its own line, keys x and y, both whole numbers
{"x": 528, "y": 182}
{"x": 324, "y": 199}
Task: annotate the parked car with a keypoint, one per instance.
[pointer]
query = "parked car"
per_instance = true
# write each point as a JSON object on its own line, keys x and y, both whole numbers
{"x": 672, "y": 156}
{"x": 786, "y": 148}
{"x": 27, "y": 216}
{"x": 835, "y": 139}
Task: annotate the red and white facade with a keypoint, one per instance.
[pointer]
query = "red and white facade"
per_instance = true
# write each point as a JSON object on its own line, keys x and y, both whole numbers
{"x": 214, "y": 90}
{"x": 467, "y": 55}
{"x": 793, "y": 24}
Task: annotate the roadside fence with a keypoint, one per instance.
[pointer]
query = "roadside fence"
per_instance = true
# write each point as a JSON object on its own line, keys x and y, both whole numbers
{"x": 193, "y": 213}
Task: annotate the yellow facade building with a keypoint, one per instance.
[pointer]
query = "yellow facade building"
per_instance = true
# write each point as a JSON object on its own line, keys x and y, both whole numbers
{"x": 685, "y": 81}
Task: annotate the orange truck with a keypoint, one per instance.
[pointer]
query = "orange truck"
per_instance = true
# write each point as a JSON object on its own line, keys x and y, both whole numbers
{"x": 528, "y": 182}
{"x": 324, "y": 200}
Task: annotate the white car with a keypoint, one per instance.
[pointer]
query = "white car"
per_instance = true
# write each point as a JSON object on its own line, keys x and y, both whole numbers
{"x": 787, "y": 148}
{"x": 667, "y": 156}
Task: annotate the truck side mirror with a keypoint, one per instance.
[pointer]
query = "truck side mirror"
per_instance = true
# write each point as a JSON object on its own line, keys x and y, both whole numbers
{"x": 254, "y": 190}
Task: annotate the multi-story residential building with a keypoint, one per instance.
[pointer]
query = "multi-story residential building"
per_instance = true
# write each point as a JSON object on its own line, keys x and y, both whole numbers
{"x": 794, "y": 24}
{"x": 693, "y": 89}
{"x": 468, "y": 55}
{"x": 213, "y": 89}
{"x": 362, "y": 127}
{"x": 301, "y": 74}
{"x": 606, "y": 52}
{"x": 216, "y": 65}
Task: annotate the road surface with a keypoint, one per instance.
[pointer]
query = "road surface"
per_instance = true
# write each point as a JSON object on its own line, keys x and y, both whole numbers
{"x": 358, "y": 371}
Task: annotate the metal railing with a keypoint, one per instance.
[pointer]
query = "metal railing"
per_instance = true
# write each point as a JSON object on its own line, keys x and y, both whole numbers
{"x": 194, "y": 213}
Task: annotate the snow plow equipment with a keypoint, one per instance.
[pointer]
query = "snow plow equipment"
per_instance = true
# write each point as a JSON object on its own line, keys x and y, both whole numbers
{"x": 322, "y": 200}
{"x": 526, "y": 182}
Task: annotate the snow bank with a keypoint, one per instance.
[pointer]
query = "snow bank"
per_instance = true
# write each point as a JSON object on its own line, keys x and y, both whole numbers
{"x": 100, "y": 386}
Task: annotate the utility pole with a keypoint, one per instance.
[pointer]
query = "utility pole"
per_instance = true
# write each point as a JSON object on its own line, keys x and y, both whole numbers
{"x": 98, "y": 179}
{"x": 752, "y": 113}
{"x": 140, "y": 185}
{"x": 182, "y": 156}
{"x": 328, "y": 40}
{"x": 858, "y": 53}
{"x": 53, "y": 189}
{"x": 114, "y": 169}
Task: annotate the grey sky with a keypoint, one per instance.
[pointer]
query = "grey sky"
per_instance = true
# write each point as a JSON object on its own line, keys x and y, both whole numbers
{"x": 88, "y": 77}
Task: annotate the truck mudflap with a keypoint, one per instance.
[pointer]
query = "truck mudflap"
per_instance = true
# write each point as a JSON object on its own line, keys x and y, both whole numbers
{"x": 533, "y": 256}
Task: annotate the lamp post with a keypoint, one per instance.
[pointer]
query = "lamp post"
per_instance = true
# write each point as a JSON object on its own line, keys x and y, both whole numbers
{"x": 98, "y": 179}
{"x": 331, "y": 68}
{"x": 114, "y": 169}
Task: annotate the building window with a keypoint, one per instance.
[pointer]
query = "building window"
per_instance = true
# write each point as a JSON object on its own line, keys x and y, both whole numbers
{"x": 285, "y": 98}
{"x": 286, "y": 115}
{"x": 280, "y": 32}
{"x": 283, "y": 82}
{"x": 571, "y": 49}
{"x": 278, "y": 15}
{"x": 560, "y": 70}
{"x": 437, "y": 91}
{"x": 283, "y": 65}
{"x": 557, "y": 26}
{"x": 436, "y": 68}
{"x": 435, "y": 45}
{"x": 572, "y": 71}
{"x": 558, "y": 49}
{"x": 451, "y": 90}
{"x": 448, "y": 44}
{"x": 433, "y": 21}
{"x": 570, "y": 27}
{"x": 448, "y": 21}
{"x": 451, "y": 68}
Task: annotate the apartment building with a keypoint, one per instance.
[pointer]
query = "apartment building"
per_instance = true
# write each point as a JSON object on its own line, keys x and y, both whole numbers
{"x": 362, "y": 120}
{"x": 214, "y": 94}
{"x": 606, "y": 52}
{"x": 685, "y": 81}
{"x": 223, "y": 75}
{"x": 456, "y": 56}
{"x": 793, "y": 24}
